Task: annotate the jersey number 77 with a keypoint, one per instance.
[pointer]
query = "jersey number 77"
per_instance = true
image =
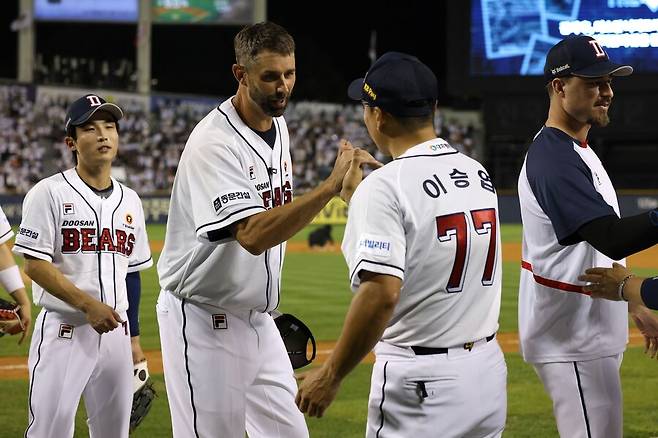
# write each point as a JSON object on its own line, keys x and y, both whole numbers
{"x": 456, "y": 226}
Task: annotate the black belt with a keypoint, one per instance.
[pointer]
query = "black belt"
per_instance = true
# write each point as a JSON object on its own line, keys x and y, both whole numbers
{"x": 422, "y": 351}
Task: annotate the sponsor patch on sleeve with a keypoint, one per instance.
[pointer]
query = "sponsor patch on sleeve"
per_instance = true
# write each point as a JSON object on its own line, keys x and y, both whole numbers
{"x": 374, "y": 245}
{"x": 26, "y": 232}
{"x": 229, "y": 197}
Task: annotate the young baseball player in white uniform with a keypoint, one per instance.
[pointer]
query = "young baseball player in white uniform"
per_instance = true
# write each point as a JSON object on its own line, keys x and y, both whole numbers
{"x": 571, "y": 222}
{"x": 12, "y": 282}
{"x": 423, "y": 249}
{"x": 81, "y": 233}
{"x": 226, "y": 368}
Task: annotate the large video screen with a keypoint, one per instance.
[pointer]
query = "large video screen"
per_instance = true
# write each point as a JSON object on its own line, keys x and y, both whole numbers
{"x": 202, "y": 11}
{"x": 86, "y": 10}
{"x": 512, "y": 37}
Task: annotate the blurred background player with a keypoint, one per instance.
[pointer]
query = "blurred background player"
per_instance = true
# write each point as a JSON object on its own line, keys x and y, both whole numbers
{"x": 320, "y": 237}
{"x": 422, "y": 245}
{"x": 81, "y": 233}
{"x": 571, "y": 222}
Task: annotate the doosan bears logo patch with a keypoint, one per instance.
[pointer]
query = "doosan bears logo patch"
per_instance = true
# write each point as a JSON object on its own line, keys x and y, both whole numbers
{"x": 129, "y": 218}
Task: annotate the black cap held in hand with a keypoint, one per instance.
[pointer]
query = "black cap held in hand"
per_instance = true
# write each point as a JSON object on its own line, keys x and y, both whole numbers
{"x": 399, "y": 84}
{"x": 581, "y": 56}
{"x": 82, "y": 109}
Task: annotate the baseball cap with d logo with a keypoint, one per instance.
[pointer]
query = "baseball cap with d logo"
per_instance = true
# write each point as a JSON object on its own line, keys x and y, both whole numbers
{"x": 581, "y": 56}
{"x": 82, "y": 109}
{"x": 399, "y": 84}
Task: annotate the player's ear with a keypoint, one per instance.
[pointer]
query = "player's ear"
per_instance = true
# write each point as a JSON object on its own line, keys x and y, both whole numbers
{"x": 70, "y": 143}
{"x": 239, "y": 73}
{"x": 382, "y": 119}
{"x": 558, "y": 86}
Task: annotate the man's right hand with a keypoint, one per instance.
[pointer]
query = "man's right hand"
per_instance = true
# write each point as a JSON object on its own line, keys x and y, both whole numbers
{"x": 348, "y": 156}
{"x": 102, "y": 317}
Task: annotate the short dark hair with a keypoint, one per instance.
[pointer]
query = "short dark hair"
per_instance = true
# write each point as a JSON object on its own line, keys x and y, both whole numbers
{"x": 411, "y": 124}
{"x": 264, "y": 36}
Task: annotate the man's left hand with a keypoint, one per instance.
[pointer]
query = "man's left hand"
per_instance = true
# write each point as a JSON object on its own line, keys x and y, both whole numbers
{"x": 317, "y": 390}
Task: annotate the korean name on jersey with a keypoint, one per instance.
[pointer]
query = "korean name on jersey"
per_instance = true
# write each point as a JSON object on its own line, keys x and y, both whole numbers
{"x": 430, "y": 218}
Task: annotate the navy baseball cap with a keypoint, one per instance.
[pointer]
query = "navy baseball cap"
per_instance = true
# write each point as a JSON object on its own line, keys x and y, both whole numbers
{"x": 399, "y": 84}
{"x": 581, "y": 56}
{"x": 82, "y": 109}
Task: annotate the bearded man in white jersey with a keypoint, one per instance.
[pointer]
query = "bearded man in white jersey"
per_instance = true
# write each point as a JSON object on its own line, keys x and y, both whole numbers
{"x": 82, "y": 234}
{"x": 570, "y": 223}
{"x": 226, "y": 367}
{"x": 423, "y": 249}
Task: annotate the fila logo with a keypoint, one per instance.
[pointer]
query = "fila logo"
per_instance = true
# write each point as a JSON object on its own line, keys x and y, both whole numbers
{"x": 65, "y": 331}
{"x": 252, "y": 174}
{"x": 68, "y": 208}
{"x": 219, "y": 321}
{"x": 94, "y": 100}
{"x": 600, "y": 53}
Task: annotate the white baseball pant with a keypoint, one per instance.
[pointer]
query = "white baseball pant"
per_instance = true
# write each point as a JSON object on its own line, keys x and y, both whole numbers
{"x": 69, "y": 359}
{"x": 587, "y": 399}
{"x": 461, "y": 393}
{"x": 226, "y": 372}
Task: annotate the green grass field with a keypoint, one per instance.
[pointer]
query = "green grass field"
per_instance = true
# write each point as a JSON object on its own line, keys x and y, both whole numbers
{"x": 315, "y": 288}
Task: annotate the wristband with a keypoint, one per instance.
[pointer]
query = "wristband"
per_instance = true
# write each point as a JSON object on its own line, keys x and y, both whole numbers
{"x": 11, "y": 279}
{"x": 620, "y": 288}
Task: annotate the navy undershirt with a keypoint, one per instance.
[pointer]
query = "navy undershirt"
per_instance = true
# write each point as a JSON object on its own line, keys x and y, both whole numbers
{"x": 268, "y": 136}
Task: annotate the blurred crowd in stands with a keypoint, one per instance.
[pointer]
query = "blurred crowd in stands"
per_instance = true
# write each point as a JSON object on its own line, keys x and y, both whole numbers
{"x": 99, "y": 72}
{"x": 151, "y": 141}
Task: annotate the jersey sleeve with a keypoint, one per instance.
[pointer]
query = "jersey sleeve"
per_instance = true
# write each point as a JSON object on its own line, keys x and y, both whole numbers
{"x": 37, "y": 234}
{"x": 374, "y": 238}
{"x": 140, "y": 258}
{"x": 220, "y": 191}
{"x": 649, "y": 292}
{"x": 564, "y": 189}
{"x": 6, "y": 232}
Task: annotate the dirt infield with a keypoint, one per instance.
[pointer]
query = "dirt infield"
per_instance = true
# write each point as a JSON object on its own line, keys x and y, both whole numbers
{"x": 13, "y": 368}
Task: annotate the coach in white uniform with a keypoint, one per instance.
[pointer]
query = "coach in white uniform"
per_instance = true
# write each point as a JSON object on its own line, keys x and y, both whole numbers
{"x": 81, "y": 233}
{"x": 422, "y": 245}
{"x": 571, "y": 222}
{"x": 226, "y": 368}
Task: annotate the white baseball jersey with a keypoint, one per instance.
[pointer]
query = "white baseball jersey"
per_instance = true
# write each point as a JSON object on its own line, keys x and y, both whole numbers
{"x": 6, "y": 232}
{"x": 563, "y": 186}
{"x": 430, "y": 218}
{"x": 227, "y": 172}
{"x": 93, "y": 241}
